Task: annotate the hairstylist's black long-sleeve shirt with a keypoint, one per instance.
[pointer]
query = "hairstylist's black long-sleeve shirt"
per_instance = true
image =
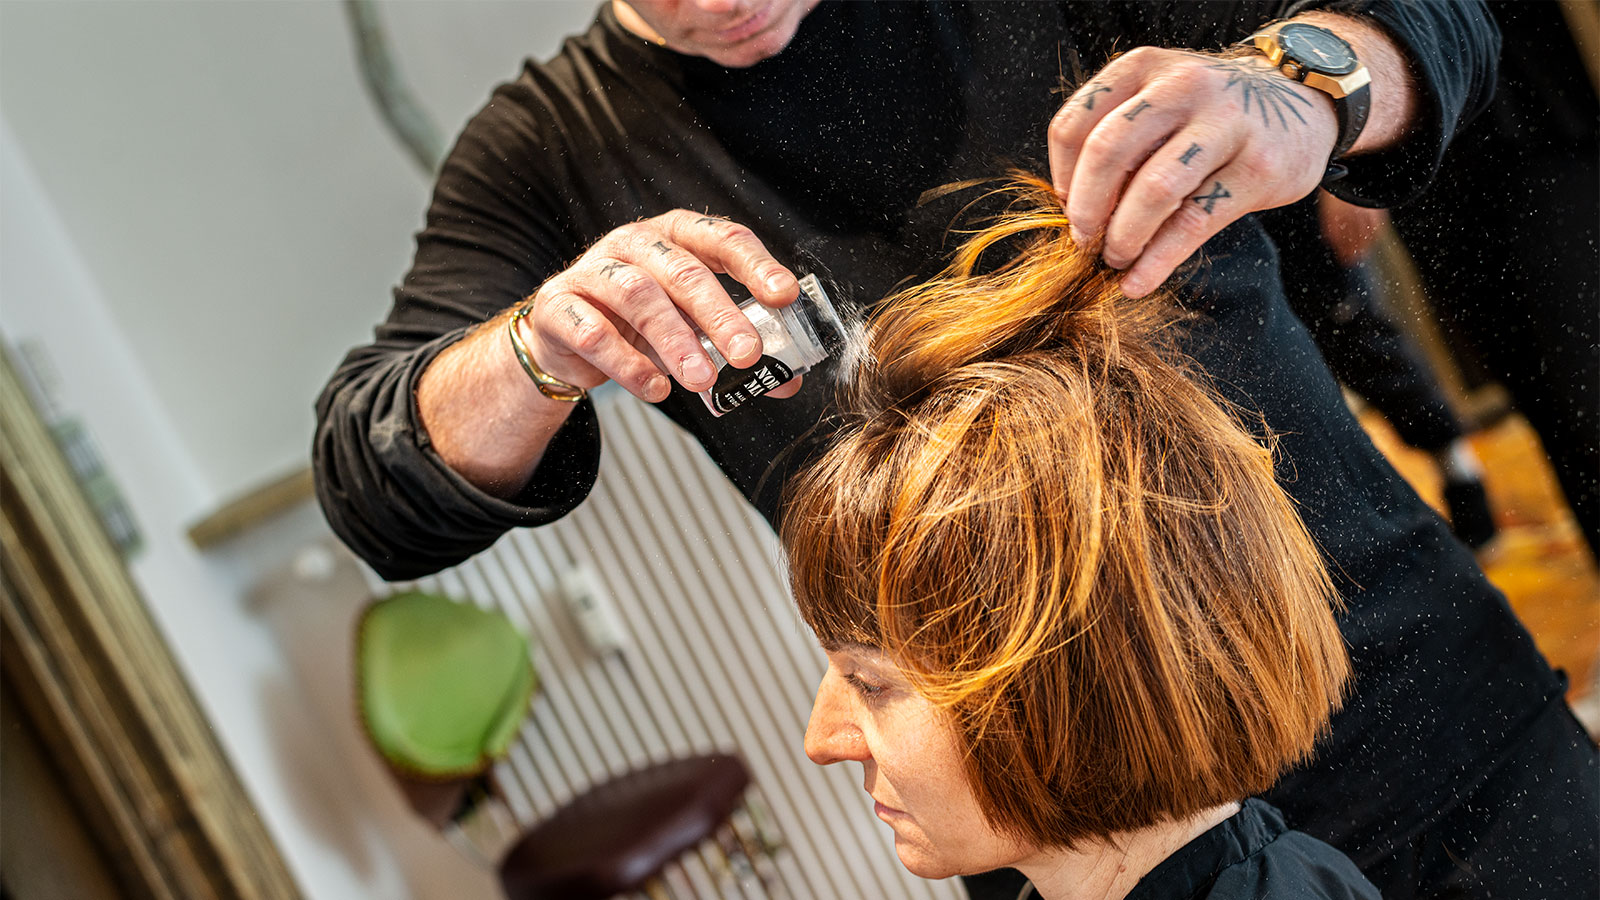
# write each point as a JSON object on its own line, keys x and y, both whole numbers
{"x": 824, "y": 151}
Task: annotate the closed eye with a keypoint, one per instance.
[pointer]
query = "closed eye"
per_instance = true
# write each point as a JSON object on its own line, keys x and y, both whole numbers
{"x": 866, "y": 689}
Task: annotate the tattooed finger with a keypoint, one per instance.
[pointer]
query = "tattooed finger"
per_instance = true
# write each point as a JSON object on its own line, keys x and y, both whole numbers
{"x": 1091, "y": 91}
{"x": 1134, "y": 113}
{"x": 1207, "y": 201}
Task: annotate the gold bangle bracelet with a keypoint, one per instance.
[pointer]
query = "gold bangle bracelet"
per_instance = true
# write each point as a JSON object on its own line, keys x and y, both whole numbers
{"x": 548, "y": 384}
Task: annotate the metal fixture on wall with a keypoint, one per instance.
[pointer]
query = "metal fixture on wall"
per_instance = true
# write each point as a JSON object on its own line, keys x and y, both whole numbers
{"x": 411, "y": 124}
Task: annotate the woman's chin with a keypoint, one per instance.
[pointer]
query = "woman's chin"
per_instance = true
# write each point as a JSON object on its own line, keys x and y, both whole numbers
{"x": 924, "y": 860}
{"x": 922, "y": 863}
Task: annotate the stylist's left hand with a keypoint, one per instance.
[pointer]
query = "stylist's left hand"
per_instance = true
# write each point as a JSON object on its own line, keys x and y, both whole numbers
{"x": 1164, "y": 148}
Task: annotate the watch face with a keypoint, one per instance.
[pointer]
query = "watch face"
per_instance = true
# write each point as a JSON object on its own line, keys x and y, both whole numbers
{"x": 1317, "y": 49}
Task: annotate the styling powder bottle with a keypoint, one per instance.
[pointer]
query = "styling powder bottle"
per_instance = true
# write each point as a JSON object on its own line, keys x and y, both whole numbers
{"x": 793, "y": 339}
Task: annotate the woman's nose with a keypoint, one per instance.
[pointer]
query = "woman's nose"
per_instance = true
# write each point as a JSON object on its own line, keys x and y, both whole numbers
{"x": 832, "y": 735}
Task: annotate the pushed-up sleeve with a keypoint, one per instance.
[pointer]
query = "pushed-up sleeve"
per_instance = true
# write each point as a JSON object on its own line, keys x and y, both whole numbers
{"x": 1453, "y": 49}
{"x": 494, "y": 232}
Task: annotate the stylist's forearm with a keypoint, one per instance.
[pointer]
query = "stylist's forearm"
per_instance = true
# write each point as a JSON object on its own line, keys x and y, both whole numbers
{"x": 483, "y": 414}
{"x": 1394, "y": 98}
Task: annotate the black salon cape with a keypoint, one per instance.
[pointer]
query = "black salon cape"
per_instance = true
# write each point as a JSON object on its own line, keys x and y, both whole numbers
{"x": 824, "y": 151}
{"x": 1253, "y": 855}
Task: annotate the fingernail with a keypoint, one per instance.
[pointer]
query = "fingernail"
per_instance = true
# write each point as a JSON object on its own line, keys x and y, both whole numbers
{"x": 743, "y": 345}
{"x": 1077, "y": 236}
{"x": 1116, "y": 262}
{"x": 1134, "y": 287}
{"x": 779, "y": 283}
{"x": 657, "y": 388}
{"x": 696, "y": 369}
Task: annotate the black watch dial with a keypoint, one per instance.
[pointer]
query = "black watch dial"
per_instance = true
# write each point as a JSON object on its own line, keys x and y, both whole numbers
{"x": 1317, "y": 49}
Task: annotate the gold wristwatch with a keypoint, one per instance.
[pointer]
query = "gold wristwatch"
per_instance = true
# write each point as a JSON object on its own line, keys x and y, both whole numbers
{"x": 1318, "y": 58}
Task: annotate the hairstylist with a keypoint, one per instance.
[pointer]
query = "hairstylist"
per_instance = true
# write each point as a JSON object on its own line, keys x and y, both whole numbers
{"x": 671, "y": 141}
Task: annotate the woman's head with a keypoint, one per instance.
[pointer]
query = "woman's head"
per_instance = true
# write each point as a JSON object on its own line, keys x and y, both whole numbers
{"x": 1045, "y": 520}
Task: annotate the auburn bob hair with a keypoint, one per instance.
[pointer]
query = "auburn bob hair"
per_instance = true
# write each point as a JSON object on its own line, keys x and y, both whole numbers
{"x": 1041, "y": 508}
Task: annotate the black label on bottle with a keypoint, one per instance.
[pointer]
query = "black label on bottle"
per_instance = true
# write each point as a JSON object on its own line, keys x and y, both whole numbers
{"x": 735, "y": 386}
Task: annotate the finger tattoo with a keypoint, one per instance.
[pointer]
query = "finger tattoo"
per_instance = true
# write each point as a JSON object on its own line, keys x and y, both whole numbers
{"x": 609, "y": 270}
{"x": 709, "y": 220}
{"x": 661, "y": 248}
{"x": 1189, "y": 154}
{"x": 1207, "y": 201}
{"x": 1143, "y": 105}
{"x": 1271, "y": 92}
{"x": 1088, "y": 99}
{"x": 573, "y": 315}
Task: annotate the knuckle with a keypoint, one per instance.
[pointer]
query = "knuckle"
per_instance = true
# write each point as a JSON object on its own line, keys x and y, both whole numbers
{"x": 671, "y": 219}
{"x": 614, "y": 245}
{"x": 683, "y": 271}
{"x": 625, "y": 235}
{"x": 549, "y": 299}
{"x": 1192, "y": 219}
{"x": 636, "y": 242}
{"x": 1169, "y": 80}
{"x": 727, "y": 320}
{"x": 681, "y": 224}
{"x": 1060, "y": 129}
{"x": 1101, "y": 145}
{"x": 661, "y": 326}
{"x": 681, "y": 216}
{"x": 1161, "y": 184}
{"x": 586, "y": 337}
{"x": 634, "y": 287}
{"x": 547, "y": 294}
{"x": 733, "y": 231}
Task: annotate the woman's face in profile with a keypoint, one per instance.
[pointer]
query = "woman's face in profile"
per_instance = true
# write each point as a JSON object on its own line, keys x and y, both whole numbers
{"x": 867, "y": 710}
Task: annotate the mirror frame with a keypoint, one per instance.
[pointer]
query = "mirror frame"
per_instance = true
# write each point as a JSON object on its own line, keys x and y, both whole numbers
{"x": 99, "y": 683}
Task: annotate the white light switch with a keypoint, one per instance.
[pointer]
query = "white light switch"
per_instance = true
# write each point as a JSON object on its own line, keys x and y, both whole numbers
{"x": 595, "y": 612}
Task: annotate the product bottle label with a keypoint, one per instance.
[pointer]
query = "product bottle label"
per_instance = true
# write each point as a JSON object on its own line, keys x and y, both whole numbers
{"x": 735, "y": 386}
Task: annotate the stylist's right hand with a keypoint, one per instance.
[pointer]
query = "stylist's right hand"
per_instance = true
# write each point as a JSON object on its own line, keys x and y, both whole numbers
{"x": 640, "y": 288}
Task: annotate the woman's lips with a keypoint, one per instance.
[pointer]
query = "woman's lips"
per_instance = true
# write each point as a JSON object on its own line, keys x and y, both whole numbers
{"x": 886, "y": 812}
{"x": 748, "y": 27}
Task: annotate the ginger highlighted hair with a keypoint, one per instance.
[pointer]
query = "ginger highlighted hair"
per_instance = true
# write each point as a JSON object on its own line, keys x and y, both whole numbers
{"x": 1042, "y": 508}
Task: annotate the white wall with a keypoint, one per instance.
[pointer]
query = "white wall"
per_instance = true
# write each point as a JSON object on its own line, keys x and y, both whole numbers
{"x": 229, "y": 184}
{"x": 199, "y": 212}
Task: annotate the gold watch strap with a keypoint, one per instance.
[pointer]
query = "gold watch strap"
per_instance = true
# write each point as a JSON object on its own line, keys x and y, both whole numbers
{"x": 548, "y": 384}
